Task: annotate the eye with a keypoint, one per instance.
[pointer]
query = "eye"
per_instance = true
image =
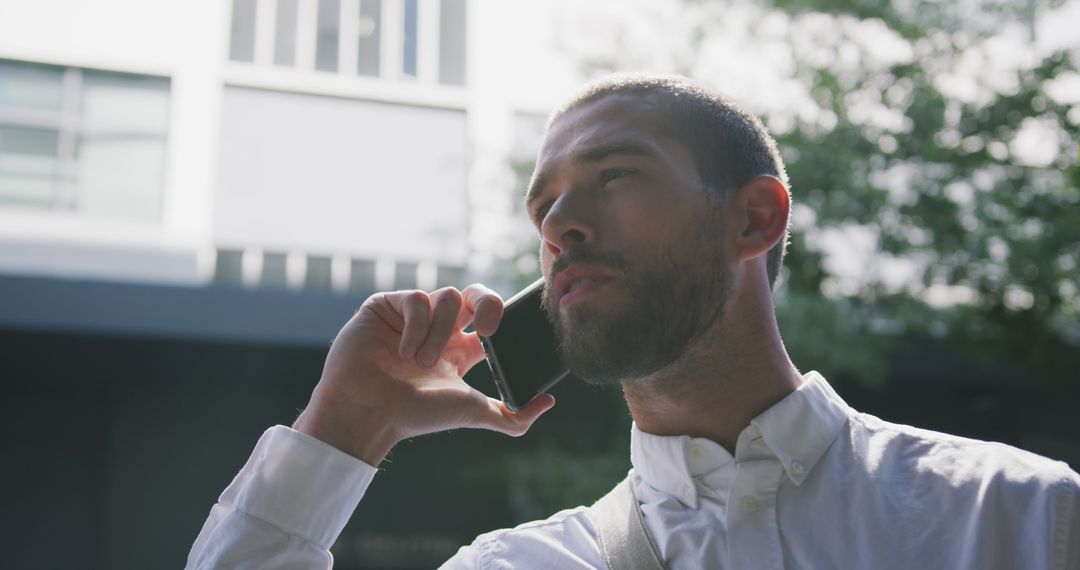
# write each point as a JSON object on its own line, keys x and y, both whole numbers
{"x": 610, "y": 174}
{"x": 540, "y": 213}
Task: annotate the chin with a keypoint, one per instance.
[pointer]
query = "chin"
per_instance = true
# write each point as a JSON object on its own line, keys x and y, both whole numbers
{"x": 583, "y": 315}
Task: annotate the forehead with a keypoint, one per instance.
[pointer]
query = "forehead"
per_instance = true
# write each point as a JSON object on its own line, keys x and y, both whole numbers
{"x": 613, "y": 118}
{"x": 613, "y": 126}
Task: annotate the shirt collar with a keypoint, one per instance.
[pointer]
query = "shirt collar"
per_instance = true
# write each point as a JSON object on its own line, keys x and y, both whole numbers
{"x": 801, "y": 427}
{"x": 670, "y": 464}
{"x": 796, "y": 430}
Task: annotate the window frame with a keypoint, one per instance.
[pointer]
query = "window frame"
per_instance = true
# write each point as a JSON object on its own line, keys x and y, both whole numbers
{"x": 71, "y": 125}
{"x": 391, "y": 29}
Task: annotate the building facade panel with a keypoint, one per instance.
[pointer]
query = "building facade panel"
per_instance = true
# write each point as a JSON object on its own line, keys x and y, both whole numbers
{"x": 337, "y": 175}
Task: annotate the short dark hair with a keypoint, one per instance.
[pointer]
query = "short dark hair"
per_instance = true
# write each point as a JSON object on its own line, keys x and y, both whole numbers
{"x": 730, "y": 146}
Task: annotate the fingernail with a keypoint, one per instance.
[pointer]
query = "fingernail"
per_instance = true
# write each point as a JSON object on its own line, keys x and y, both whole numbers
{"x": 427, "y": 358}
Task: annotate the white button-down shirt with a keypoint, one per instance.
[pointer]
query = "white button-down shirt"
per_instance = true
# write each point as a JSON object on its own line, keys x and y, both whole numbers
{"x": 813, "y": 484}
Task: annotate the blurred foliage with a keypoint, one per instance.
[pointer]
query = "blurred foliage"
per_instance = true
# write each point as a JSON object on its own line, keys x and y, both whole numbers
{"x": 988, "y": 243}
{"x": 944, "y": 190}
{"x": 916, "y": 19}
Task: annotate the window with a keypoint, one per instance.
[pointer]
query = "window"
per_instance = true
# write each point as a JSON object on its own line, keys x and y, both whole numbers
{"x": 317, "y": 274}
{"x": 285, "y": 33}
{"x": 422, "y": 40}
{"x": 367, "y": 59}
{"x": 405, "y": 275}
{"x": 80, "y": 140}
{"x": 275, "y": 272}
{"x": 258, "y": 269}
{"x": 452, "y": 30}
{"x": 361, "y": 276}
{"x": 328, "y": 36}
{"x": 242, "y": 40}
{"x": 408, "y": 63}
{"x": 451, "y": 276}
{"x": 229, "y": 267}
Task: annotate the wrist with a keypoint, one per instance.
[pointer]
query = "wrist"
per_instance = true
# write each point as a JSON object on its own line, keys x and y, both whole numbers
{"x": 368, "y": 441}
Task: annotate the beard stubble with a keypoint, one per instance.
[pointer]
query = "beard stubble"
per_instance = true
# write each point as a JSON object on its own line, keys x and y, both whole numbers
{"x": 668, "y": 301}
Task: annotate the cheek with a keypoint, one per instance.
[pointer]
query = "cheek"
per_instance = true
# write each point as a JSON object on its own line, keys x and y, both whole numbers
{"x": 546, "y": 259}
{"x": 668, "y": 215}
{"x": 646, "y": 220}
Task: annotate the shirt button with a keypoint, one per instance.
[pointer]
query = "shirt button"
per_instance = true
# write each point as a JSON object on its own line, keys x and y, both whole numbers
{"x": 797, "y": 468}
{"x": 696, "y": 452}
{"x": 749, "y": 504}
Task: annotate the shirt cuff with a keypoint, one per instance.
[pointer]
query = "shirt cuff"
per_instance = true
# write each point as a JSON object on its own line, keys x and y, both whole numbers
{"x": 300, "y": 484}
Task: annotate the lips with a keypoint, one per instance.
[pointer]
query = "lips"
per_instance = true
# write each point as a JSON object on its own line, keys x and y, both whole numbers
{"x": 576, "y": 281}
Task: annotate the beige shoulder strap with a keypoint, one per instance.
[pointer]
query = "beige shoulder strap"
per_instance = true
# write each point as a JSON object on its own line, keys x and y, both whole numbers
{"x": 624, "y": 544}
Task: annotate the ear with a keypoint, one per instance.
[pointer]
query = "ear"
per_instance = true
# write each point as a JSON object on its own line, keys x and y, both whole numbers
{"x": 764, "y": 206}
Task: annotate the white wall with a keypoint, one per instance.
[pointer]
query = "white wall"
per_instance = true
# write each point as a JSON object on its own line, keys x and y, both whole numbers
{"x": 184, "y": 41}
{"x": 341, "y": 176}
{"x": 451, "y": 178}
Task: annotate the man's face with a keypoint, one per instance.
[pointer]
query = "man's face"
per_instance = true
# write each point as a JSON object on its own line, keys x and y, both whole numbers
{"x": 632, "y": 246}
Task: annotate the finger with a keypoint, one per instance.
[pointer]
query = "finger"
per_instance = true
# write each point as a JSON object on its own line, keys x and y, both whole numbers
{"x": 500, "y": 418}
{"x": 483, "y": 307}
{"x": 446, "y": 304}
{"x": 471, "y": 352}
{"x": 415, "y": 306}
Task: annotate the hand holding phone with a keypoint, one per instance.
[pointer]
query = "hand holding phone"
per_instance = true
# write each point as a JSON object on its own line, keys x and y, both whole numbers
{"x": 523, "y": 352}
{"x": 394, "y": 371}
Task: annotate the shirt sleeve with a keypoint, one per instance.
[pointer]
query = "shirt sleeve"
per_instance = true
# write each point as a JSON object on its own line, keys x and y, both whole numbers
{"x": 1067, "y": 524}
{"x": 285, "y": 508}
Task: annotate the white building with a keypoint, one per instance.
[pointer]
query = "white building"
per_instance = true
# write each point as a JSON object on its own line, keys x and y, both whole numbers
{"x": 303, "y": 145}
{"x": 296, "y": 146}
{"x": 194, "y": 196}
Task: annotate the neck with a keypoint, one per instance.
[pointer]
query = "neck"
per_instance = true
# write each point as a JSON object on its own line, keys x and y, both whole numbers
{"x": 727, "y": 378}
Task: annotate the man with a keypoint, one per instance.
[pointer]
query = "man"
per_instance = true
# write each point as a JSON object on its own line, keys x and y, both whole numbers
{"x": 663, "y": 212}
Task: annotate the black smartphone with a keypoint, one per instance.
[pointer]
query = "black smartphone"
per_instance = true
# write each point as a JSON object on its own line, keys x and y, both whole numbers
{"x": 523, "y": 354}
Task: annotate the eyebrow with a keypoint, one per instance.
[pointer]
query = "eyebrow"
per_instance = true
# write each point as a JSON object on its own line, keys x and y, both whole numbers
{"x": 589, "y": 155}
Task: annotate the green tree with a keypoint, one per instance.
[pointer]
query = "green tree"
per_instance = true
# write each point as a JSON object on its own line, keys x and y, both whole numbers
{"x": 960, "y": 232}
{"x": 949, "y": 187}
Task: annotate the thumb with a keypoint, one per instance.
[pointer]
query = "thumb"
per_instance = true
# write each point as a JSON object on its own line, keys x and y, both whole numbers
{"x": 500, "y": 418}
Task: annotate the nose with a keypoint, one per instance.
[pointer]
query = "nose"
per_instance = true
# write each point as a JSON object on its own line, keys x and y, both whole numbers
{"x": 568, "y": 223}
